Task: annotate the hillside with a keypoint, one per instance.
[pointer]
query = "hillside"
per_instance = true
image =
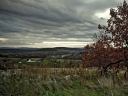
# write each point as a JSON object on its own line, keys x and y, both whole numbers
{"x": 20, "y": 49}
{"x": 60, "y": 48}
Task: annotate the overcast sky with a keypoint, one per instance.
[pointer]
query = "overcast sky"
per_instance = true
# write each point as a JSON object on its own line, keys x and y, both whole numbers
{"x": 52, "y": 23}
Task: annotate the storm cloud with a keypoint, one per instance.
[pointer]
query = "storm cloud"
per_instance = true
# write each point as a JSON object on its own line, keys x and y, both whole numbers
{"x": 51, "y": 23}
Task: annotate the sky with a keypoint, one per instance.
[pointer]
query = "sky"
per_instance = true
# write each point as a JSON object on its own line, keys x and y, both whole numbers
{"x": 52, "y": 23}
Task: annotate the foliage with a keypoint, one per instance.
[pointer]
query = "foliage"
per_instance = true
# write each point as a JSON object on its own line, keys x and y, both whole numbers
{"x": 111, "y": 44}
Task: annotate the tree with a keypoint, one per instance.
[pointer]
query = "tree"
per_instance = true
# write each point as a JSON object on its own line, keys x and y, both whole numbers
{"x": 117, "y": 29}
{"x": 118, "y": 26}
{"x": 111, "y": 45}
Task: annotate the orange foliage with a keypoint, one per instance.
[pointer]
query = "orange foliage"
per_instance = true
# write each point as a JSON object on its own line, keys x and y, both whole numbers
{"x": 111, "y": 46}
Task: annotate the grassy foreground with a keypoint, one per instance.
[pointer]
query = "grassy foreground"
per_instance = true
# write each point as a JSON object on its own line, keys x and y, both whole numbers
{"x": 32, "y": 81}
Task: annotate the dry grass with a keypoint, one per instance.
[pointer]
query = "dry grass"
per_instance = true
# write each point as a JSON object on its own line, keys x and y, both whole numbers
{"x": 58, "y": 81}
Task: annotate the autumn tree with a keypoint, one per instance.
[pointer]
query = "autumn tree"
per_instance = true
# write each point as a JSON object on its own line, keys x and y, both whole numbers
{"x": 117, "y": 29}
{"x": 111, "y": 45}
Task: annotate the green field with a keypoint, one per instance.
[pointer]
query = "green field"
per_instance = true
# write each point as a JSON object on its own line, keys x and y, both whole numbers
{"x": 52, "y": 63}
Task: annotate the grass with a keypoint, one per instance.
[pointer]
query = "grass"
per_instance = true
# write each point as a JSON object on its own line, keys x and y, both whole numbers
{"x": 33, "y": 81}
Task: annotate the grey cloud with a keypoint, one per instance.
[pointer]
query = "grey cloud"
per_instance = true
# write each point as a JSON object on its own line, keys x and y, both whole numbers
{"x": 28, "y": 10}
{"x": 38, "y": 21}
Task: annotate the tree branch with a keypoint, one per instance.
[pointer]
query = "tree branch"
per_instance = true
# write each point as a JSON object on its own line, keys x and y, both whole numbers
{"x": 113, "y": 63}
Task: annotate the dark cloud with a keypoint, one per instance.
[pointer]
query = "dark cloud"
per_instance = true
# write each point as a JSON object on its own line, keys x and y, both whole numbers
{"x": 40, "y": 23}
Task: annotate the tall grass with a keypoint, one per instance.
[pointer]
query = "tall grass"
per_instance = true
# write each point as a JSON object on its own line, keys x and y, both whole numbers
{"x": 34, "y": 81}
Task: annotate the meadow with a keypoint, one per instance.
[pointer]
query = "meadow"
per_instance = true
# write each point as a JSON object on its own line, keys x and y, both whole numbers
{"x": 36, "y": 81}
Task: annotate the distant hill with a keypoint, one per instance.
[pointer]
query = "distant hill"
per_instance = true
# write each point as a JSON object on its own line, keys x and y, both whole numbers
{"x": 20, "y": 49}
{"x": 25, "y": 49}
{"x": 60, "y": 48}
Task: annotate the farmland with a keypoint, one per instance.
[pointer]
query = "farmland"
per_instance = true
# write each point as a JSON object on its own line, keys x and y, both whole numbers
{"x": 61, "y": 57}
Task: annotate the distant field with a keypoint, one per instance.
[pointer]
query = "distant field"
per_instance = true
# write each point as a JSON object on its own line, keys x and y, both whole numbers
{"x": 38, "y": 62}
